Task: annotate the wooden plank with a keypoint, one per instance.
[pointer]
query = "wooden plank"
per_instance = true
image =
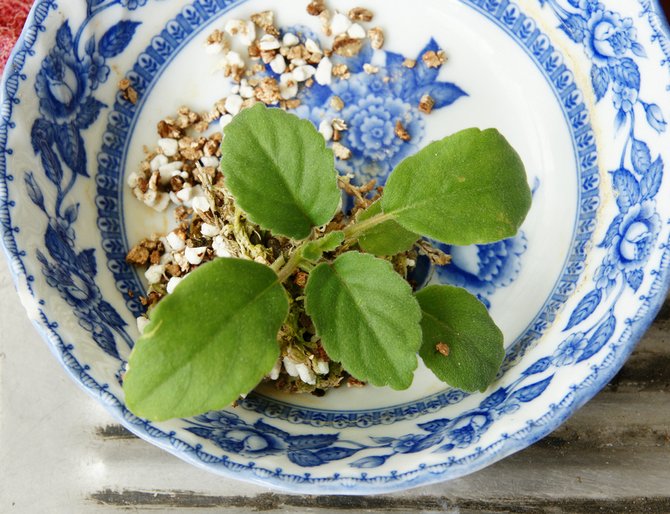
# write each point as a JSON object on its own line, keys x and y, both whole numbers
{"x": 271, "y": 502}
{"x": 648, "y": 369}
{"x": 616, "y": 420}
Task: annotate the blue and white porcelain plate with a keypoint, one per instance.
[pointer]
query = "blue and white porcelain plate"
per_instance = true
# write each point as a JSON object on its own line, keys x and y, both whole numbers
{"x": 579, "y": 87}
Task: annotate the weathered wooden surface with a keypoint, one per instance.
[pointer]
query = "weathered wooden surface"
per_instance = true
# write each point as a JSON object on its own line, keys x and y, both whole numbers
{"x": 61, "y": 452}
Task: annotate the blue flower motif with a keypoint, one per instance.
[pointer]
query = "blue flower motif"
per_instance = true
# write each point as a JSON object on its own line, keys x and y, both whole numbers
{"x": 350, "y": 91}
{"x": 131, "y": 5}
{"x": 609, "y": 35}
{"x": 376, "y": 84}
{"x": 64, "y": 87}
{"x": 655, "y": 117}
{"x": 624, "y": 98}
{"x": 371, "y": 112}
{"x": 482, "y": 269}
{"x": 570, "y": 349}
{"x": 376, "y": 148}
{"x": 607, "y": 274}
{"x": 229, "y": 432}
{"x": 254, "y": 442}
{"x": 77, "y": 289}
{"x": 625, "y": 72}
{"x": 574, "y": 25}
{"x": 98, "y": 71}
{"x": 221, "y": 419}
{"x": 60, "y": 238}
{"x": 248, "y": 441}
{"x": 610, "y": 41}
{"x": 62, "y": 83}
{"x": 405, "y": 444}
{"x": 73, "y": 275}
{"x": 373, "y": 461}
{"x": 70, "y": 272}
{"x": 590, "y": 6}
{"x": 634, "y": 241}
{"x": 373, "y": 106}
{"x": 468, "y": 429}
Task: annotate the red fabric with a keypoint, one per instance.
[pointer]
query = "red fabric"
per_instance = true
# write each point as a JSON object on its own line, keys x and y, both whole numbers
{"x": 13, "y": 15}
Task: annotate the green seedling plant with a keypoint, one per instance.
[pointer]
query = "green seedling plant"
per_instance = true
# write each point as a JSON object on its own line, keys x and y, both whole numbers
{"x": 215, "y": 337}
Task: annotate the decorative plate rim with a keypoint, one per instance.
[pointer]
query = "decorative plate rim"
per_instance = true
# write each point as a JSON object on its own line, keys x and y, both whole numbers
{"x": 333, "y": 484}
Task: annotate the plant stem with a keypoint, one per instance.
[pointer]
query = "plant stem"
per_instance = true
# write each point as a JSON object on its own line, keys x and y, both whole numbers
{"x": 276, "y": 265}
{"x": 352, "y": 232}
{"x": 293, "y": 264}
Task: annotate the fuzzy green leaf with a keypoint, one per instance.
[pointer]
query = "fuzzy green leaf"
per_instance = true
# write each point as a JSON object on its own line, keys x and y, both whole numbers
{"x": 314, "y": 250}
{"x": 367, "y": 318}
{"x": 468, "y": 188}
{"x": 387, "y": 238}
{"x": 454, "y": 317}
{"x": 280, "y": 172}
{"x": 210, "y": 341}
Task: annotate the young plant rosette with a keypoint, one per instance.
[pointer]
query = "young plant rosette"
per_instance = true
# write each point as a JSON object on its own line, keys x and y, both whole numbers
{"x": 215, "y": 337}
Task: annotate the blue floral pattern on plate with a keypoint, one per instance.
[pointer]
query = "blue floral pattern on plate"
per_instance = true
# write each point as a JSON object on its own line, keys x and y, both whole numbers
{"x": 66, "y": 84}
{"x": 374, "y": 103}
{"x": 609, "y": 40}
{"x": 230, "y": 433}
{"x": 481, "y": 269}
